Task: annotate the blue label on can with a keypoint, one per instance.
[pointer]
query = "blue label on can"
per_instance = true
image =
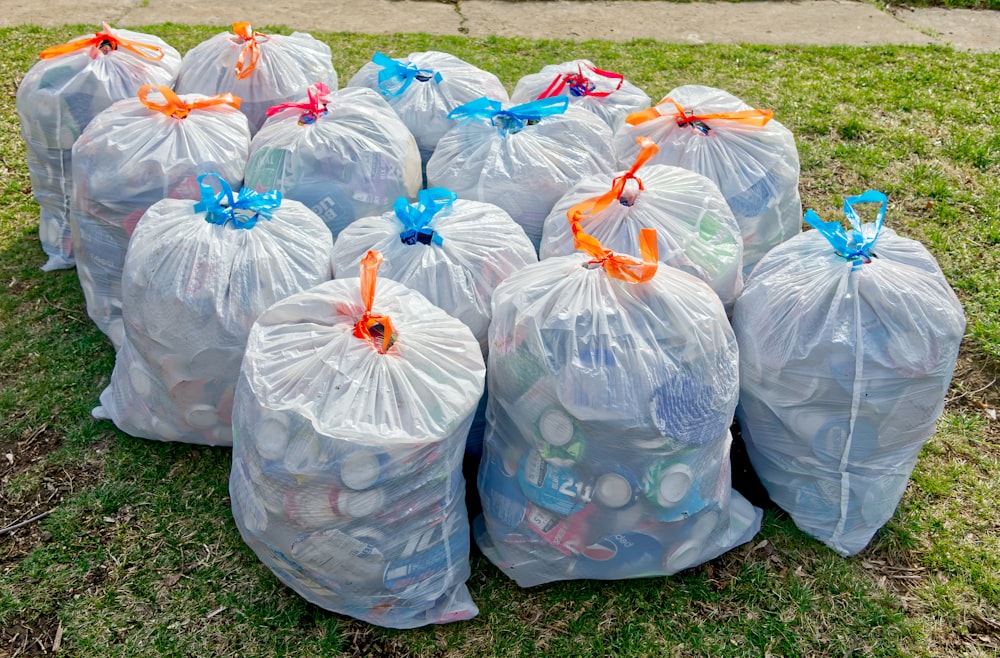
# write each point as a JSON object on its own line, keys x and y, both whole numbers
{"x": 502, "y": 498}
{"x": 555, "y": 487}
{"x": 623, "y": 555}
{"x": 427, "y": 554}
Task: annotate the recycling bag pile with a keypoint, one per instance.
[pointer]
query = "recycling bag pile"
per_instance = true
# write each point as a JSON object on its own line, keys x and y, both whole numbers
{"x": 363, "y": 289}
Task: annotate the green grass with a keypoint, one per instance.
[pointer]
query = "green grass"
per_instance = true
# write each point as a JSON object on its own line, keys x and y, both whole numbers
{"x": 141, "y": 556}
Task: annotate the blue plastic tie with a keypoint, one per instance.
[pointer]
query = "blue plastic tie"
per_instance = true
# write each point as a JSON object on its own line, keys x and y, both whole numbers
{"x": 243, "y": 209}
{"x": 513, "y": 119}
{"x": 417, "y": 218}
{"x": 396, "y": 75}
{"x": 854, "y": 245}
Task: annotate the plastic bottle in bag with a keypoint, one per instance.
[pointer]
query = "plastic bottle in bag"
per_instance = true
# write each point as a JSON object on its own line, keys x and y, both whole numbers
{"x": 196, "y": 276}
{"x": 838, "y": 397}
{"x": 57, "y": 99}
{"x": 349, "y": 430}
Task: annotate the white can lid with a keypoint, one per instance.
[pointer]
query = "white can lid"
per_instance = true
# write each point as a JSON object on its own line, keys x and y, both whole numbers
{"x": 271, "y": 435}
{"x": 682, "y": 557}
{"x": 675, "y": 482}
{"x": 613, "y": 490}
{"x": 360, "y": 469}
{"x": 556, "y": 427}
{"x": 360, "y": 503}
{"x": 202, "y": 416}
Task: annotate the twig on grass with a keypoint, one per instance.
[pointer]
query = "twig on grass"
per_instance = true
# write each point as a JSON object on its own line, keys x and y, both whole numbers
{"x": 21, "y": 524}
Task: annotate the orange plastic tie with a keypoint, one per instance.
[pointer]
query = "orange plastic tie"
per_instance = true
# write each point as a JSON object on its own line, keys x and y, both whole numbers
{"x": 363, "y": 328}
{"x": 621, "y": 266}
{"x": 250, "y": 53}
{"x": 173, "y": 106}
{"x": 104, "y": 37}
{"x": 647, "y": 149}
{"x": 752, "y": 117}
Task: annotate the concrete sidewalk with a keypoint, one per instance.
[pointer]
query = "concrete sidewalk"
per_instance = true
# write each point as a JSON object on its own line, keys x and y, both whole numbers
{"x": 812, "y": 22}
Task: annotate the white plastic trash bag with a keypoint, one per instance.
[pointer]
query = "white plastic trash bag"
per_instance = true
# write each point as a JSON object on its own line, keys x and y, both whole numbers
{"x": 56, "y": 100}
{"x": 262, "y": 69}
{"x": 522, "y": 158}
{"x": 349, "y": 435}
{"x": 613, "y": 383}
{"x": 695, "y": 228}
{"x": 424, "y": 87}
{"x": 196, "y": 276}
{"x": 838, "y": 397}
{"x": 135, "y": 153}
{"x": 605, "y": 93}
{"x": 344, "y": 154}
{"x": 453, "y": 251}
{"x": 749, "y": 155}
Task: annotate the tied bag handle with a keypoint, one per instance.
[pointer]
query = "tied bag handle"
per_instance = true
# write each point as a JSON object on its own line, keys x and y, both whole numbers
{"x": 621, "y": 266}
{"x": 173, "y": 106}
{"x": 371, "y": 327}
{"x": 854, "y": 246}
{"x": 105, "y": 41}
{"x": 647, "y": 149}
{"x": 751, "y": 117}
{"x": 416, "y": 218}
{"x": 580, "y": 85}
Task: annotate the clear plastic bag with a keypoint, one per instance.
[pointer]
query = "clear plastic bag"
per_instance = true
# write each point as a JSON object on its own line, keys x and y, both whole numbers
{"x": 349, "y": 435}
{"x": 453, "y": 251}
{"x": 196, "y": 276}
{"x": 424, "y": 87}
{"x": 57, "y": 99}
{"x": 749, "y": 155}
{"x": 262, "y": 69}
{"x": 612, "y": 385}
{"x": 522, "y": 158}
{"x": 135, "y": 153}
{"x": 696, "y": 229}
{"x": 605, "y": 93}
{"x": 344, "y": 154}
{"x": 839, "y": 396}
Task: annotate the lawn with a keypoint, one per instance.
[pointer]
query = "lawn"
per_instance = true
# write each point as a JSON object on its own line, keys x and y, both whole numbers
{"x": 136, "y": 552}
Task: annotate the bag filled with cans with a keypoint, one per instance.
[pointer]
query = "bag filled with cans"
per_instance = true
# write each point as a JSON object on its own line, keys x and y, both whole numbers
{"x": 196, "y": 276}
{"x": 838, "y": 398}
{"x": 695, "y": 228}
{"x": 349, "y": 431}
{"x": 424, "y": 87}
{"x": 453, "y": 251}
{"x": 605, "y": 93}
{"x": 135, "y": 153}
{"x": 60, "y": 95}
{"x": 613, "y": 382}
{"x": 262, "y": 69}
{"x": 521, "y": 158}
{"x": 745, "y": 151}
{"x": 345, "y": 154}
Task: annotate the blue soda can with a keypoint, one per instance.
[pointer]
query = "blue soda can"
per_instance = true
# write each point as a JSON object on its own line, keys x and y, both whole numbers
{"x": 429, "y": 553}
{"x": 672, "y": 486}
{"x": 624, "y": 555}
{"x": 555, "y": 487}
{"x": 503, "y": 501}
